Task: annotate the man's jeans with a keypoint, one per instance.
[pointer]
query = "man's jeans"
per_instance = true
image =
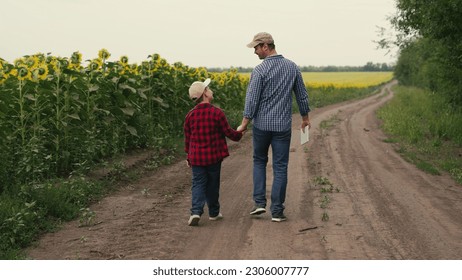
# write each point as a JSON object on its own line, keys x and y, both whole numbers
{"x": 206, "y": 188}
{"x": 280, "y": 144}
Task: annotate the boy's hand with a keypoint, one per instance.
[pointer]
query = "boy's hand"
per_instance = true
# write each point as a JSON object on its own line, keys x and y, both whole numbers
{"x": 241, "y": 128}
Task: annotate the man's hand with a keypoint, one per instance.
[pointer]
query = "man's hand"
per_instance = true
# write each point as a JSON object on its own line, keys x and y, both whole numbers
{"x": 243, "y": 126}
{"x": 305, "y": 123}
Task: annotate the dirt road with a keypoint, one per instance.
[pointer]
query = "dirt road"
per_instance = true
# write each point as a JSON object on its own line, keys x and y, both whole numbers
{"x": 381, "y": 208}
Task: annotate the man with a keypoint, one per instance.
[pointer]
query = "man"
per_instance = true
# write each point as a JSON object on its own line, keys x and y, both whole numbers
{"x": 268, "y": 104}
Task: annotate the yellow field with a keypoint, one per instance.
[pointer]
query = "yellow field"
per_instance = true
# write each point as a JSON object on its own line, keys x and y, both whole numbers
{"x": 345, "y": 79}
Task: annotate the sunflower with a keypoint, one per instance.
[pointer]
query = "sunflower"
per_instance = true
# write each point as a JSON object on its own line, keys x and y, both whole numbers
{"x": 24, "y": 73}
{"x": 76, "y": 67}
{"x": 103, "y": 54}
{"x": 18, "y": 62}
{"x": 131, "y": 69}
{"x": 95, "y": 64}
{"x": 49, "y": 59}
{"x": 56, "y": 65}
{"x": 124, "y": 59}
{"x": 31, "y": 61}
{"x": 40, "y": 57}
{"x": 76, "y": 58}
{"x": 163, "y": 62}
{"x": 145, "y": 67}
{"x": 3, "y": 75}
{"x": 155, "y": 57}
{"x": 75, "y": 61}
{"x": 41, "y": 72}
{"x": 117, "y": 68}
{"x": 64, "y": 63}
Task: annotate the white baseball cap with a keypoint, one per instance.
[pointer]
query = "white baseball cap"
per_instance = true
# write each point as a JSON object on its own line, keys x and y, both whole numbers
{"x": 197, "y": 89}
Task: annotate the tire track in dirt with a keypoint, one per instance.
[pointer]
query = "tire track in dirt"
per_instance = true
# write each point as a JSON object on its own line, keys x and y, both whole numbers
{"x": 386, "y": 208}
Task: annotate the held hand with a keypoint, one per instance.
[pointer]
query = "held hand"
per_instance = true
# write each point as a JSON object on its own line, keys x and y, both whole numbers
{"x": 241, "y": 128}
{"x": 187, "y": 163}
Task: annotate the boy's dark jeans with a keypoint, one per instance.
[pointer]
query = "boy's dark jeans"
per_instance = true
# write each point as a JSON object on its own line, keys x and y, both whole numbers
{"x": 206, "y": 188}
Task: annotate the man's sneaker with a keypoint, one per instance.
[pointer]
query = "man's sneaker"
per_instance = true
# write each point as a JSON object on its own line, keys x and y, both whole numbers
{"x": 217, "y": 217}
{"x": 257, "y": 210}
{"x": 279, "y": 218}
{"x": 194, "y": 220}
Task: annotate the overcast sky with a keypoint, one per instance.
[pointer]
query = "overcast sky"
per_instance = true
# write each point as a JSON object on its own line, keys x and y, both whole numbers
{"x": 211, "y": 33}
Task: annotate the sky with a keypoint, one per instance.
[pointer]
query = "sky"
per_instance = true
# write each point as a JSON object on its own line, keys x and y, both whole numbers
{"x": 209, "y": 33}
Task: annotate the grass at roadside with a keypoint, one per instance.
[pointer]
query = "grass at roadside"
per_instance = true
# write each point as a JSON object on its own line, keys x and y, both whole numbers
{"x": 38, "y": 208}
{"x": 425, "y": 130}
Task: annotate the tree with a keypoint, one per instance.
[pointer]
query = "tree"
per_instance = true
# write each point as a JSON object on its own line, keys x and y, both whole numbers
{"x": 430, "y": 39}
{"x": 440, "y": 20}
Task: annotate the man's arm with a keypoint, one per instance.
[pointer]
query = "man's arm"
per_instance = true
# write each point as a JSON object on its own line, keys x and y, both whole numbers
{"x": 244, "y": 124}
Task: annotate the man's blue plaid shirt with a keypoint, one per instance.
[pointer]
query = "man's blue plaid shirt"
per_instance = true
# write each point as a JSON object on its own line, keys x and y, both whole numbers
{"x": 268, "y": 100}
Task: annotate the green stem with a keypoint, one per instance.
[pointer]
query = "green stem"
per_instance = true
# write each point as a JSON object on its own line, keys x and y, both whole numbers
{"x": 22, "y": 114}
{"x": 58, "y": 124}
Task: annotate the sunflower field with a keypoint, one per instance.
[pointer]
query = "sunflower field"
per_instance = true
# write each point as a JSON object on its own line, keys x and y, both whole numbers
{"x": 58, "y": 115}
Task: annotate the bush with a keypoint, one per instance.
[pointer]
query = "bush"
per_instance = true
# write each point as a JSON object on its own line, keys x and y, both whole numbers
{"x": 33, "y": 209}
{"x": 20, "y": 223}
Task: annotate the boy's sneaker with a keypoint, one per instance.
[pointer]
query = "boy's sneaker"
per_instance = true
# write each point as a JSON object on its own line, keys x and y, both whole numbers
{"x": 216, "y": 218}
{"x": 257, "y": 210}
{"x": 278, "y": 218}
{"x": 194, "y": 220}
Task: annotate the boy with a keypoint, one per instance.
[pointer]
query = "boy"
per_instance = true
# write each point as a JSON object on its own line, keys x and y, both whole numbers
{"x": 205, "y": 131}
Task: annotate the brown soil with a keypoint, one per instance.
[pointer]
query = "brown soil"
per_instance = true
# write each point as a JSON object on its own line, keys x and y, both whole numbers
{"x": 381, "y": 207}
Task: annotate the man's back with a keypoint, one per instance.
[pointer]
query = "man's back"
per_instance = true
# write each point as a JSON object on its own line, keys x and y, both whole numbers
{"x": 269, "y": 95}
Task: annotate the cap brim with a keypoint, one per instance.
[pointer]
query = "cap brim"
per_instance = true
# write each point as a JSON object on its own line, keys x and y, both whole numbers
{"x": 207, "y": 82}
{"x": 252, "y": 44}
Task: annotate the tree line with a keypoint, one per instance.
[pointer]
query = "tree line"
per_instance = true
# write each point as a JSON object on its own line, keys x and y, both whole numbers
{"x": 368, "y": 67}
{"x": 429, "y": 39}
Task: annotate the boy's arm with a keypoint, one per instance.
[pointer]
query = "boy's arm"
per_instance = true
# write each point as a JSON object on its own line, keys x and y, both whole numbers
{"x": 227, "y": 130}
